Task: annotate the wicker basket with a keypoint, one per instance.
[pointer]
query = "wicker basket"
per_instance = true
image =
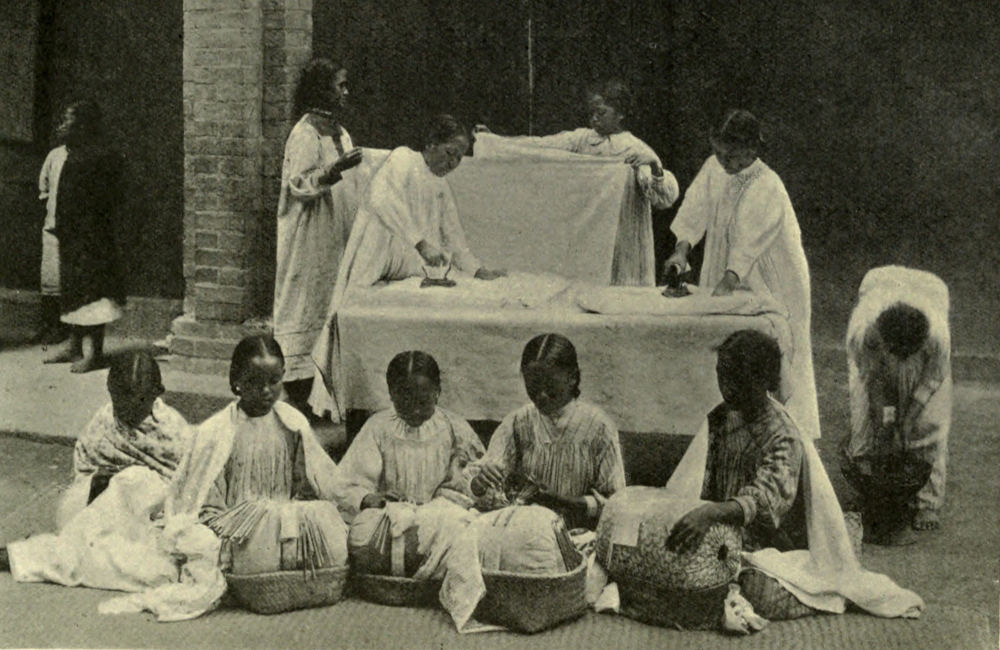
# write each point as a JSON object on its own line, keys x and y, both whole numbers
{"x": 283, "y": 591}
{"x": 688, "y": 609}
{"x": 770, "y": 599}
{"x": 395, "y": 591}
{"x": 532, "y": 603}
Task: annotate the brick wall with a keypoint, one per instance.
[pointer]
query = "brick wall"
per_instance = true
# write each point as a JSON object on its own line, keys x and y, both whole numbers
{"x": 241, "y": 60}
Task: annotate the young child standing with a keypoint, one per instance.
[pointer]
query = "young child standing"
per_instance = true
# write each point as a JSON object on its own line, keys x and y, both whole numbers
{"x": 87, "y": 200}
{"x": 52, "y": 330}
{"x": 414, "y": 451}
{"x": 565, "y": 444}
{"x": 250, "y": 467}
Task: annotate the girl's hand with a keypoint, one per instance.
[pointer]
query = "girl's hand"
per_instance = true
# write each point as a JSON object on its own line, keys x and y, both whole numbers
{"x": 727, "y": 284}
{"x": 687, "y": 533}
{"x": 350, "y": 159}
{"x": 481, "y": 128}
{"x": 490, "y": 477}
{"x": 639, "y": 158}
{"x": 559, "y": 502}
{"x": 433, "y": 255}
{"x": 377, "y": 500}
{"x": 487, "y": 274}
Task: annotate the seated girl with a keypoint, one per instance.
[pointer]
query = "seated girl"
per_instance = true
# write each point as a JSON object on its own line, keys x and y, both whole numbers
{"x": 566, "y": 446}
{"x": 414, "y": 451}
{"x": 135, "y": 428}
{"x": 758, "y": 472}
{"x": 406, "y": 221}
{"x": 251, "y": 467}
{"x": 136, "y": 438}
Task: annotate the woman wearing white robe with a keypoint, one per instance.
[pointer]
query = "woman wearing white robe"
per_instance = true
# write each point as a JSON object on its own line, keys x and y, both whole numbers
{"x": 315, "y": 210}
{"x": 407, "y": 220}
{"x": 752, "y": 241}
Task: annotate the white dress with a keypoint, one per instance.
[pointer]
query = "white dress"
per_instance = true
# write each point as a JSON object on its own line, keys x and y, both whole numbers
{"x": 48, "y": 189}
{"x": 750, "y": 228}
{"x": 314, "y": 221}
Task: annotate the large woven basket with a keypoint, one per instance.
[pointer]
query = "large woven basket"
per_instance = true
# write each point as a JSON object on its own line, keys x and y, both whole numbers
{"x": 395, "y": 591}
{"x": 532, "y": 603}
{"x": 283, "y": 591}
{"x": 688, "y": 609}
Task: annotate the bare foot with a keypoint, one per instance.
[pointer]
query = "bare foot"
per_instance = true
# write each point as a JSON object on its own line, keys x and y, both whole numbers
{"x": 65, "y": 354}
{"x": 86, "y": 364}
{"x": 926, "y": 520}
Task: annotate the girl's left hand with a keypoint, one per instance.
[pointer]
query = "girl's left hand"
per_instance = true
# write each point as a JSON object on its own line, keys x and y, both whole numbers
{"x": 488, "y": 274}
{"x": 640, "y": 158}
{"x": 727, "y": 284}
{"x": 687, "y": 533}
{"x": 559, "y": 502}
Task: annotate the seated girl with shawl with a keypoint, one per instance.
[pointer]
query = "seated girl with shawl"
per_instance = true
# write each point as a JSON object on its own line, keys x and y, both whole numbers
{"x": 566, "y": 446}
{"x": 406, "y": 222}
{"x": 758, "y": 471}
{"x": 256, "y": 471}
{"x": 136, "y": 437}
{"x": 414, "y": 451}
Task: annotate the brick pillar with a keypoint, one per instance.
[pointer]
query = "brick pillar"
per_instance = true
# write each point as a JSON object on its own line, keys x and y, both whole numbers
{"x": 240, "y": 62}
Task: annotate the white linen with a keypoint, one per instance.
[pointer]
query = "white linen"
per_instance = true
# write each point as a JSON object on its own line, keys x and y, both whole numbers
{"x": 48, "y": 190}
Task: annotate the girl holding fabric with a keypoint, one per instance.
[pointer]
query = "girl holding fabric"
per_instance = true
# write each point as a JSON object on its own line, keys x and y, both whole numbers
{"x": 314, "y": 218}
{"x": 740, "y": 206}
{"x": 609, "y": 105}
{"x": 407, "y": 221}
{"x": 757, "y": 471}
{"x": 564, "y": 444}
{"x": 414, "y": 451}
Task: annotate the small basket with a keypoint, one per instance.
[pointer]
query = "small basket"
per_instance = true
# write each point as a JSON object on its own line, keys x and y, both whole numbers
{"x": 283, "y": 591}
{"x": 688, "y": 609}
{"x": 532, "y": 603}
{"x": 770, "y": 599}
{"x": 395, "y": 591}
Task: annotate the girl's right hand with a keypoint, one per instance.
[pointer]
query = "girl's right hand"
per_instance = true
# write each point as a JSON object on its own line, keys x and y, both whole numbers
{"x": 490, "y": 477}
{"x": 431, "y": 253}
{"x": 350, "y": 159}
{"x": 481, "y": 128}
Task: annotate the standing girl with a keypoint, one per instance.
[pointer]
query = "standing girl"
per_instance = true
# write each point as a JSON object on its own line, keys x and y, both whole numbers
{"x": 565, "y": 444}
{"x": 89, "y": 196}
{"x": 315, "y": 212}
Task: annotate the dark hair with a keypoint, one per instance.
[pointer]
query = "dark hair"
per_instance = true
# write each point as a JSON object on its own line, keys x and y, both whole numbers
{"x": 753, "y": 357}
{"x": 82, "y": 124}
{"x": 615, "y": 94}
{"x": 740, "y": 128}
{"x": 135, "y": 371}
{"x": 553, "y": 350}
{"x": 252, "y": 347}
{"x": 442, "y": 128}
{"x": 312, "y": 90}
{"x": 406, "y": 365}
{"x": 903, "y": 328}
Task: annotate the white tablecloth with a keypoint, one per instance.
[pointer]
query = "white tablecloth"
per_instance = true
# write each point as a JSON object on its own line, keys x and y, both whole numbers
{"x": 649, "y": 371}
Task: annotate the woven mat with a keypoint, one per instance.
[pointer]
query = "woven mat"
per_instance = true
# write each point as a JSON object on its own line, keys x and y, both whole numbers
{"x": 35, "y": 615}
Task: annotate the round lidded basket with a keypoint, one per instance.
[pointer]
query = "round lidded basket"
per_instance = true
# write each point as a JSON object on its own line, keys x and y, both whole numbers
{"x": 284, "y": 591}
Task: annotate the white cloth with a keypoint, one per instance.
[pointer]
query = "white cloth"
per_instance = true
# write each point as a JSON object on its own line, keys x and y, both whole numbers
{"x": 828, "y": 574}
{"x": 750, "y": 228}
{"x": 314, "y": 221}
{"x": 405, "y": 203}
{"x": 389, "y": 456}
{"x": 48, "y": 190}
{"x": 99, "y": 312}
{"x": 924, "y": 378}
{"x": 586, "y": 215}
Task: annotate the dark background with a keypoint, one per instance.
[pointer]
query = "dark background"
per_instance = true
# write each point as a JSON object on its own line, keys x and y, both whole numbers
{"x": 881, "y": 119}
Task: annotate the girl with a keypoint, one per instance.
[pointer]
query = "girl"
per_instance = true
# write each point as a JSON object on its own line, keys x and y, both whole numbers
{"x": 127, "y": 456}
{"x": 52, "y": 330}
{"x": 135, "y": 428}
{"x": 414, "y": 451}
{"x": 314, "y": 218}
{"x": 88, "y": 198}
{"x": 406, "y": 221}
{"x": 740, "y": 206}
{"x": 567, "y": 445}
{"x": 609, "y": 105}
{"x": 750, "y": 462}
{"x": 250, "y": 462}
